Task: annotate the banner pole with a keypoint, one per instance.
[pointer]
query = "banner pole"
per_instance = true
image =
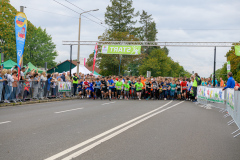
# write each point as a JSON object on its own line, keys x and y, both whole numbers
{"x": 120, "y": 64}
{"x": 214, "y": 67}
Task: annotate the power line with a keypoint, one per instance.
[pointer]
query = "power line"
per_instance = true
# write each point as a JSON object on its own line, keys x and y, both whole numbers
{"x": 196, "y": 29}
{"x": 79, "y": 13}
{"x": 84, "y": 10}
{"x": 51, "y": 12}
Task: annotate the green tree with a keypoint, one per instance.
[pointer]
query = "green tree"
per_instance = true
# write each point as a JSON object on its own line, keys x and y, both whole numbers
{"x": 39, "y": 47}
{"x": 119, "y": 16}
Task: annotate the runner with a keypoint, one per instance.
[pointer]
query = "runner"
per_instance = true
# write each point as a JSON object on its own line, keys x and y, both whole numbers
{"x": 104, "y": 89}
{"x": 133, "y": 89}
{"x": 97, "y": 88}
{"x": 154, "y": 89}
{"x": 183, "y": 89}
{"x": 111, "y": 87}
{"x": 172, "y": 91}
{"x": 80, "y": 88}
{"x": 119, "y": 85}
{"x": 139, "y": 87}
{"x": 148, "y": 89}
{"x": 126, "y": 90}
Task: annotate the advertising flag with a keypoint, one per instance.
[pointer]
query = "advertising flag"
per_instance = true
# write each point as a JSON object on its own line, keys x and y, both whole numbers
{"x": 237, "y": 50}
{"x": 95, "y": 56}
{"x": 20, "y": 32}
{"x": 228, "y": 66}
{"x": 118, "y": 49}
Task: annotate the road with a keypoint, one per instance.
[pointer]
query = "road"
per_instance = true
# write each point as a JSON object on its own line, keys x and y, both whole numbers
{"x": 116, "y": 130}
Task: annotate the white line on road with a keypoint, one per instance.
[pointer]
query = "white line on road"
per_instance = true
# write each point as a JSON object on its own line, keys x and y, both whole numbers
{"x": 101, "y": 135}
{"x": 68, "y": 110}
{"x": 5, "y": 122}
{"x": 78, "y": 153}
{"x": 108, "y": 103}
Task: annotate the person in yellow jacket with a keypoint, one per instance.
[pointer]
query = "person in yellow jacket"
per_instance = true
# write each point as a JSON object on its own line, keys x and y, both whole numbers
{"x": 75, "y": 83}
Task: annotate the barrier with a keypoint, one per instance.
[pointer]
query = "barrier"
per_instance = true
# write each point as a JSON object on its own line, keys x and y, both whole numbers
{"x": 228, "y": 100}
{"x": 25, "y": 90}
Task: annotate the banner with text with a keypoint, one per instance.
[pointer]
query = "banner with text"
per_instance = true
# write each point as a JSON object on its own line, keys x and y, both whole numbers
{"x": 230, "y": 98}
{"x": 64, "y": 86}
{"x": 118, "y": 49}
{"x": 210, "y": 94}
{"x": 20, "y": 32}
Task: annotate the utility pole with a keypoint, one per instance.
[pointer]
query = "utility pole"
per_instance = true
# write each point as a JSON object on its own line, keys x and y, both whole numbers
{"x": 214, "y": 67}
{"x": 79, "y": 30}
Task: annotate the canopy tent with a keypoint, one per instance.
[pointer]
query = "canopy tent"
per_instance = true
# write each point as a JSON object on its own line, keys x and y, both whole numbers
{"x": 95, "y": 73}
{"x": 31, "y": 67}
{"x": 82, "y": 69}
{"x": 9, "y": 64}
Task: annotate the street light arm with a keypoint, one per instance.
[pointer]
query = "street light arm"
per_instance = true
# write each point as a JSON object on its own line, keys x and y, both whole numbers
{"x": 88, "y": 11}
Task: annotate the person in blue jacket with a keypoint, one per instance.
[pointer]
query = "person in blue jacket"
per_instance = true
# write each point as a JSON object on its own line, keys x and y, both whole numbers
{"x": 230, "y": 82}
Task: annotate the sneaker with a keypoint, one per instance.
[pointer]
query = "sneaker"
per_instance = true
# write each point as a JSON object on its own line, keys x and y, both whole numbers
{"x": 109, "y": 99}
{"x": 165, "y": 99}
{"x": 139, "y": 99}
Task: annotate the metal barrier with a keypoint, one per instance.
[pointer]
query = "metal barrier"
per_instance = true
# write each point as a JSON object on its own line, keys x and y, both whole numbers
{"x": 227, "y": 101}
{"x": 26, "y": 90}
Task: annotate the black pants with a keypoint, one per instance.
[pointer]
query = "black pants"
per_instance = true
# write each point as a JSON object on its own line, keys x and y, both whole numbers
{"x": 195, "y": 91}
{"x": 74, "y": 89}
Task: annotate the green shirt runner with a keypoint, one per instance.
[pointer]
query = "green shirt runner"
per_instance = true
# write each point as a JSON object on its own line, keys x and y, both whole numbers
{"x": 126, "y": 87}
{"x": 173, "y": 87}
{"x": 118, "y": 85}
{"x": 138, "y": 86}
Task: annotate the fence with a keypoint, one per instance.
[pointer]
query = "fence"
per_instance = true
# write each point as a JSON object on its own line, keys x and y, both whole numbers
{"x": 226, "y": 101}
{"x": 34, "y": 90}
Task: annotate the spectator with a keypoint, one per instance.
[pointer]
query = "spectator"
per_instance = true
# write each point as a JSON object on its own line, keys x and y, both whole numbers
{"x": 63, "y": 77}
{"x": 8, "y": 87}
{"x": 1, "y": 85}
{"x": 230, "y": 82}
{"x": 35, "y": 84}
{"x": 14, "y": 85}
{"x": 221, "y": 82}
{"x": 196, "y": 82}
{"x": 236, "y": 84}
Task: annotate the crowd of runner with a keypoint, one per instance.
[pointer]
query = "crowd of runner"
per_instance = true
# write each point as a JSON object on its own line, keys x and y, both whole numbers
{"x": 119, "y": 87}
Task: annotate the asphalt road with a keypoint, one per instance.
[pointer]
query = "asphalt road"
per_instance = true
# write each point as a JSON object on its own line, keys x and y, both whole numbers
{"x": 116, "y": 130}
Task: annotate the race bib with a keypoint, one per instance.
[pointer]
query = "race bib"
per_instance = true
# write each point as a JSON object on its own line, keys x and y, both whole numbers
{"x": 118, "y": 87}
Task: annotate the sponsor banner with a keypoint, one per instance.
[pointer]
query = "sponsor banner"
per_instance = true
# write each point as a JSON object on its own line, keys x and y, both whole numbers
{"x": 228, "y": 67}
{"x": 64, "y": 86}
{"x": 95, "y": 56}
{"x": 20, "y": 32}
{"x": 118, "y": 49}
{"x": 237, "y": 50}
{"x": 230, "y": 98}
{"x": 210, "y": 94}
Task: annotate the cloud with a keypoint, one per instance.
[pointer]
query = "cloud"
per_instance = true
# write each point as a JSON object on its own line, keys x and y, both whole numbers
{"x": 169, "y": 15}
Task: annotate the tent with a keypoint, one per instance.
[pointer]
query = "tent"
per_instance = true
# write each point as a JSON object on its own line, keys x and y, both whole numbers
{"x": 31, "y": 67}
{"x": 95, "y": 73}
{"x": 9, "y": 64}
{"x": 82, "y": 69}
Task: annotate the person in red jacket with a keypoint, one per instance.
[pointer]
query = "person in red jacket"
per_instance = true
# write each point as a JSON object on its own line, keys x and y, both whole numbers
{"x": 184, "y": 88}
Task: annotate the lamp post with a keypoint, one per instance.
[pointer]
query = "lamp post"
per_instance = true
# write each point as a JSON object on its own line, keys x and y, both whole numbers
{"x": 78, "y": 56}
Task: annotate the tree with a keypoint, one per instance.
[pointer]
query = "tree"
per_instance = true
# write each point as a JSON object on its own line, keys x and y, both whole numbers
{"x": 39, "y": 47}
{"x": 119, "y": 16}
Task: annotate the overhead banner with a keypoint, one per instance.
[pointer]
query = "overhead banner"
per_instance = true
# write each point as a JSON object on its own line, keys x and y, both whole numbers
{"x": 210, "y": 94}
{"x": 20, "y": 32}
{"x": 237, "y": 50}
{"x": 118, "y": 49}
{"x": 228, "y": 67}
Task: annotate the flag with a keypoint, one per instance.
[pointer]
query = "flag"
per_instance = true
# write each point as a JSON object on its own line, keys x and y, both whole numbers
{"x": 237, "y": 50}
{"x": 95, "y": 56}
{"x": 20, "y": 32}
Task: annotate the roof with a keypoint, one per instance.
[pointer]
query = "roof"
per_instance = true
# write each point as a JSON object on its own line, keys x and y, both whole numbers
{"x": 9, "y": 64}
{"x": 90, "y": 68}
{"x": 31, "y": 67}
{"x": 63, "y": 67}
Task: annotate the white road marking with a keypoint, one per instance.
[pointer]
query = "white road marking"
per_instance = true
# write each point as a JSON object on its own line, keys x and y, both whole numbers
{"x": 108, "y": 103}
{"x": 5, "y": 122}
{"x": 101, "y": 135}
{"x": 78, "y": 153}
{"x": 68, "y": 110}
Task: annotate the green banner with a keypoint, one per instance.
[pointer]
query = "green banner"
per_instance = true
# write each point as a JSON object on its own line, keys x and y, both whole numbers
{"x": 228, "y": 67}
{"x": 237, "y": 50}
{"x": 117, "y": 49}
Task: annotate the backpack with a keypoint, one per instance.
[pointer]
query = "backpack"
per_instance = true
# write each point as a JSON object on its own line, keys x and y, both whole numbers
{"x": 199, "y": 81}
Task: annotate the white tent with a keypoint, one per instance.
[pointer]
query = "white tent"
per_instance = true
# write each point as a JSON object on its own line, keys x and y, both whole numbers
{"x": 82, "y": 69}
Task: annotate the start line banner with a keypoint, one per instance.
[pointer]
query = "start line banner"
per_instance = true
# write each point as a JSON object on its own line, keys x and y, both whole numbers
{"x": 210, "y": 94}
{"x": 118, "y": 49}
{"x": 64, "y": 86}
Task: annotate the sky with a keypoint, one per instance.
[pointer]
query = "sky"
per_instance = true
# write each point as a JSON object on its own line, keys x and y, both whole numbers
{"x": 209, "y": 21}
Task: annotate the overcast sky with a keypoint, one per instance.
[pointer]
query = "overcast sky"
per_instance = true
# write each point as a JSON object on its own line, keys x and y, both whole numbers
{"x": 172, "y": 18}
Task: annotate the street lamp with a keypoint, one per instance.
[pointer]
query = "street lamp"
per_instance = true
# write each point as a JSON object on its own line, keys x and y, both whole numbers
{"x": 78, "y": 56}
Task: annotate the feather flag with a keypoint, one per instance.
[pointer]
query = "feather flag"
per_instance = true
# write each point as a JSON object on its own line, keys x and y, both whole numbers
{"x": 95, "y": 56}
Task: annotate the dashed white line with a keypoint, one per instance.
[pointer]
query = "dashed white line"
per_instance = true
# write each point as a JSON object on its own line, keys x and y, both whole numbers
{"x": 68, "y": 110}
{"x": 102, "y": 134}
{"x": 108, "y": 103}
{"x": 5, "y": 122}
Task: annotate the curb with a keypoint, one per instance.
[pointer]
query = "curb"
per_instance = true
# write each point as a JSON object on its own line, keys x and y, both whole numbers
{"x": 36, "y": 101}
